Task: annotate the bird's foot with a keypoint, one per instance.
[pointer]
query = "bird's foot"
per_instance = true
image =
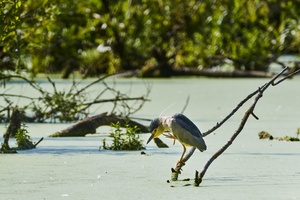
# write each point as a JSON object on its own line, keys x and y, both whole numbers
{"x": 180, "y": 163}
{"x": 171, "y": 136}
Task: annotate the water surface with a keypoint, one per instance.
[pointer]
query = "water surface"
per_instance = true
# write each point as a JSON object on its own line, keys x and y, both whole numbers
{"x": 74, "y": 168}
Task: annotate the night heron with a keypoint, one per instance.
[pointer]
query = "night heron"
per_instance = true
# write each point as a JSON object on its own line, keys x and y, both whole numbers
{"x": 183, "y": 129}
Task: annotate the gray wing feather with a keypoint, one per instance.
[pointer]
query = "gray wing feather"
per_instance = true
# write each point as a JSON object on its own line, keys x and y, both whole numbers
{"x": 187, "y": 124}
{"x": 187, "y": 132}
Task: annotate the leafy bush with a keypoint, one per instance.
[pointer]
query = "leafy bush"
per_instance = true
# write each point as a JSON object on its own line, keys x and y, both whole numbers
{"x": 63, "y": 35}
{"x": 124, "y": 141}
{"x": 22, "y": 137}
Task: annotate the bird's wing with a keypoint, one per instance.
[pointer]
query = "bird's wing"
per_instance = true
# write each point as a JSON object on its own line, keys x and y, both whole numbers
{"x": 187, "y": 132}
{"x": 187, "y": 124}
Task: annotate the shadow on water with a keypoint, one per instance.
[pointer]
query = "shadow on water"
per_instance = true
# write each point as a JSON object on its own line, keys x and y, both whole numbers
{"x": 71, "y": 145}
{"x": 235, "y": 181}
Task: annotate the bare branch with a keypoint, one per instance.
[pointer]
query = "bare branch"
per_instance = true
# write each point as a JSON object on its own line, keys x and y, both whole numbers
{"x": 32, "y": 83}
{"x": 117, "y": 99}
{"x": 250, "y": 111}
{"x": 259, "y": 93}
{"x": 288, "y": 76}
{"x": 18, "y": 96}
{"x": 52, "y": 83}
{"x": 91, "y": 84}
{"x": 254, "y": 116}
{"x": 198, "y": 179}
{"x": 219, "y": 124}
{"x": 186, "y": 104}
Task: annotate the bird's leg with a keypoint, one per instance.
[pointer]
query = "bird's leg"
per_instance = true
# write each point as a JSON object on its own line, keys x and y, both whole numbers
{"x": 171, "y": 136}
{"x": 184, "y": 150}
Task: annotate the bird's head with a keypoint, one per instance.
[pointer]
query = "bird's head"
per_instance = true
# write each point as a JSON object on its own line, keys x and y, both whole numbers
{"x": 156, "y": 129}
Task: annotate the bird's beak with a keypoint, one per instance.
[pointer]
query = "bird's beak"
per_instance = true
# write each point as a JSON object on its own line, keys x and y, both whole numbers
{"x": 150, "y": 138}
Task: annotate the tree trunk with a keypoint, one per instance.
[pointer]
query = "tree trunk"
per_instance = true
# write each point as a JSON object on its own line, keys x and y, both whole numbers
{"x": 14, "y": 124}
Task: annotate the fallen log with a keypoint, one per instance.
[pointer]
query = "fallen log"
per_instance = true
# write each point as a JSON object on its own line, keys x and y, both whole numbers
{"x": 89, "y": 125}
{"x": 222, "y": 74}
{"x": 213, "y": 73}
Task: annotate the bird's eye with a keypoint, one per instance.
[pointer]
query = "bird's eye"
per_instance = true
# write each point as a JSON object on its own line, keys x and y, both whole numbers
{"x": 154, "y": 130}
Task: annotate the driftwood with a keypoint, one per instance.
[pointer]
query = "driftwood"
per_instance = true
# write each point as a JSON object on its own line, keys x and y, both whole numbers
{"x": 89, "y": 125}
{"x": 259, "y": 93}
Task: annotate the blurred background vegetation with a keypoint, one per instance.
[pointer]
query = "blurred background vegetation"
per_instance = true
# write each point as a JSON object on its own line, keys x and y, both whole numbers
{"x": 156, "y": 37}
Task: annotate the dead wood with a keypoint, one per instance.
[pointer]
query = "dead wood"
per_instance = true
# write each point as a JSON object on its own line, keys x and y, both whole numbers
{"x": 259, "y": 93}
{"x": 13, "y": 128}
{"x": 250, "y": 112}
{"x": 14, "y": 124}
{"x": 89, "y": 125}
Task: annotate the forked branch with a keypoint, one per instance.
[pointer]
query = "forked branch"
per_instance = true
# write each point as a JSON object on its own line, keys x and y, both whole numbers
{"x": 259, "y": 92}
{"x": 250, "y": 111}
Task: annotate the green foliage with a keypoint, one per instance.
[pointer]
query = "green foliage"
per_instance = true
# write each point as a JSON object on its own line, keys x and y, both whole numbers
{"x": 266, "y": 135}
{"x": 123, "y": 141}
{"x": 289, "y": 138}
{"x": 61, "y": 105}
{"x": 11, "y": 41}
{"x": 63, "y": 35}
{"x": 22, "y": 137}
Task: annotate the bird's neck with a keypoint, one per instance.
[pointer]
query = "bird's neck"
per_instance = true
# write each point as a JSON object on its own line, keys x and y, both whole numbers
{"x": 166, "y": 121}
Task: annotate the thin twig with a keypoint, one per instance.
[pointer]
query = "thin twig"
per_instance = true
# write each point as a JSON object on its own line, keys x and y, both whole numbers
{"x": 19, "y": 96}
{"x": 38, "y": 142}
{"x": 286, "y": 77}
{"x": 35, "y": 86}
{"x": 52, "y": 83}
{"x": 186, "y": 104}
{"x": 117, "y": 99}
{"x": 219, "y": 124}
{"x": 93, "y": 83}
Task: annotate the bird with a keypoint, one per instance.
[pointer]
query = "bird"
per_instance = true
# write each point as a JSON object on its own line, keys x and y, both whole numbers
{"x": 182, "y": 129}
